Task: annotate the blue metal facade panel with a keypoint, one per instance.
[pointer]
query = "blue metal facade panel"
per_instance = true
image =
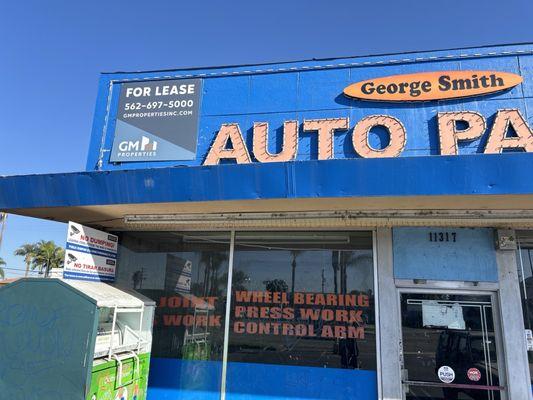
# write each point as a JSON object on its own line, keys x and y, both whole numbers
{"x": 236, "y": 88}
{"x": 526, "y": 69}
{"x": 254, "y": 381}
{"x": 466, "y": 255}
{"x": 273, "y": 93}
{"x": 413, "y": 176}
{"x": 313, "y": 89}
{"x": 317, "y": 89}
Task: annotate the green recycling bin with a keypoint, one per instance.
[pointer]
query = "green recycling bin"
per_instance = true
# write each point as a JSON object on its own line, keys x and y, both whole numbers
{"x": 64, "y": 339}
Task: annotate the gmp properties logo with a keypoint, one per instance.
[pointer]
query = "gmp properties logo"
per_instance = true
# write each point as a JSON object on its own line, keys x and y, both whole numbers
{"x": 143, "y": 147}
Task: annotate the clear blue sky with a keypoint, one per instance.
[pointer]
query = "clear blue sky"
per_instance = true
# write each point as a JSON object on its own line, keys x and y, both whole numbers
{"x": 51, "y": 53}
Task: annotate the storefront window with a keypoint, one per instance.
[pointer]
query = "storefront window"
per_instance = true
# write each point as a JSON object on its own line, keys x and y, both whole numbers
{"x": 525, "y": 275}
{"x": 302, "y": 316}
{"x": 302, "y": 319}
{"x": 186, "y": 274}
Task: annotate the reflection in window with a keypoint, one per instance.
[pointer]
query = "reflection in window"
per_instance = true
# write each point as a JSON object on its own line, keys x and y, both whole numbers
{"x": 453, "y": 331}
{"x": 301, "y": 301}
{"x": 186, "y": 274}
{"x": 302, "y": 312}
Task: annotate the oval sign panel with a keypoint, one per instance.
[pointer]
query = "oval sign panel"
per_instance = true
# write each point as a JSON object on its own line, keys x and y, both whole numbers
{"x": 426, "y": 86}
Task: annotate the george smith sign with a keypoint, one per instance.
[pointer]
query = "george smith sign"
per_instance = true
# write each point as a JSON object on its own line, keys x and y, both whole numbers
{"x": 509, "y": 130}
{"x": 433, "y": 85}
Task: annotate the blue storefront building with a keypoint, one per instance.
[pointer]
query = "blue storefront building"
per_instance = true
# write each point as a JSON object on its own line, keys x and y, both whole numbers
{"x": 354, "y": 228}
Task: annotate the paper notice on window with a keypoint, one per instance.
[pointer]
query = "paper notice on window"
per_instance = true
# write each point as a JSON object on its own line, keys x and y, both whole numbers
{"x": 442, "y": 315}
{"x": 529, "y": 339}
{"x": 178, "y": 275}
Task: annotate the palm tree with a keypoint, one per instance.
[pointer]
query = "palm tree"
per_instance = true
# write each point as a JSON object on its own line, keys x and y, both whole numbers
{"x": 27, "y": 251}
{"x": 2, "y": 274}
{"x": 47, "y": 256}
{"x": 212, "y": 261}
{"x": 335, "y": 255}
{"x": 294, "y": 255}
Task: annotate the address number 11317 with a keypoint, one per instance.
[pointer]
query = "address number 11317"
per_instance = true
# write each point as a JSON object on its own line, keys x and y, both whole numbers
{"x": 442, "y": 236}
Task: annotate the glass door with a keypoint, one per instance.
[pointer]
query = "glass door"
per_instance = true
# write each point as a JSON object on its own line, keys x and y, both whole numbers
{"x": 449, "y": 347}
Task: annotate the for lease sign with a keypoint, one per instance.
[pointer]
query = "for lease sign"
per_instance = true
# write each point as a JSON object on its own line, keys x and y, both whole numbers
{"x": 90, "y": 254}
{"x": 157, "y": 121}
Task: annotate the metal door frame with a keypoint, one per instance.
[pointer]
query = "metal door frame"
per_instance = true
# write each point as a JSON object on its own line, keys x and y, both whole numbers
{"x": 438, "y": 287}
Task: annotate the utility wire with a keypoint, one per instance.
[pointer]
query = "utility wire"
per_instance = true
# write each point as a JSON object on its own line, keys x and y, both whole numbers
{"x": 19, "y": 269}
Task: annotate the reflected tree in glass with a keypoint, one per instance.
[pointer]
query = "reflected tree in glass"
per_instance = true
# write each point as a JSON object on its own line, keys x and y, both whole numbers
{"x": 294, "y": 256}
{"x": 276, "y": 285}
{"x": 335, "y": 266}
{"x": 212, "y": 261}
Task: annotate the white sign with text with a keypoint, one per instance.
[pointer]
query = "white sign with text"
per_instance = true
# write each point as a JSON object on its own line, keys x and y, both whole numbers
{"x": 90, "y": 254}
